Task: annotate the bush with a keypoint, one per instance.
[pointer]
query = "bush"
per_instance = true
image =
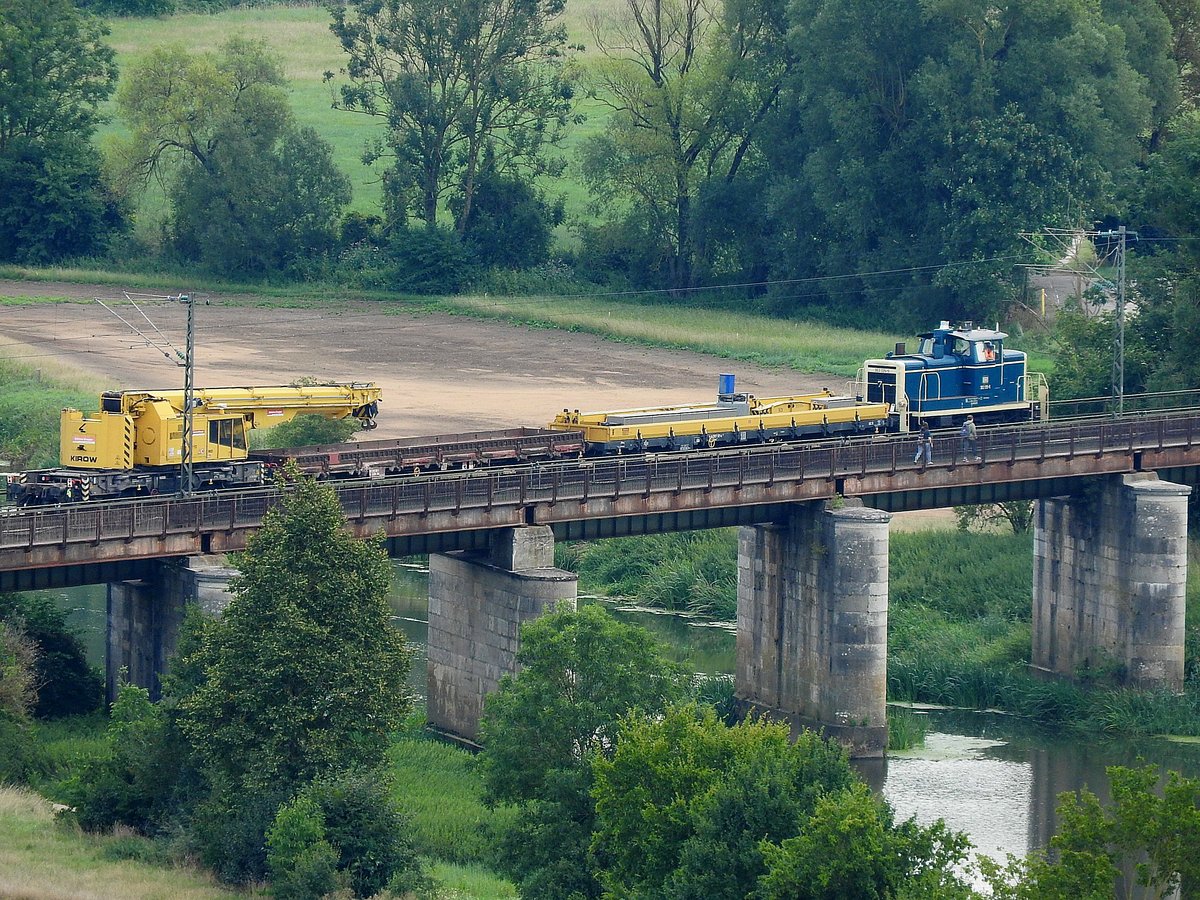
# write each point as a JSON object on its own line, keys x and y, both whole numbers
{"x": 510, "y": 226}
{"x": 370, "y": 837}
{"x": 55, "y": 204}
{"x": 230, "y": 829}
{"x": 18, "y": 671}
{"x": 128, "y": 7}
{"x": 429, "y": 261}
{"x": 302, "y": 864}
{"x": 136, "y": 780}
{"x": 67, "y": 685}
{"x": 19, "y": 757}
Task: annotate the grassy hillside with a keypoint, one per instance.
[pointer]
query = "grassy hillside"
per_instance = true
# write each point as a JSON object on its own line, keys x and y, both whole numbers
{"x": 301, "y": 35}
{"x": 41, "y": 859}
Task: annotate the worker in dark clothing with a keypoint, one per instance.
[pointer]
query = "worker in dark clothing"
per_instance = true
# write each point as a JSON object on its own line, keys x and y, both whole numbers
{"x": 924, "y": 445}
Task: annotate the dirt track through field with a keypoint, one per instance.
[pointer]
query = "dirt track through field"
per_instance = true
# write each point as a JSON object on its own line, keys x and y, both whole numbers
{"x": 439, "y": 373}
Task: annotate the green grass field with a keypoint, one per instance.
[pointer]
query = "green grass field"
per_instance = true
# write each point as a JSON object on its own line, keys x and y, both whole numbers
{"x": 41, "y": 859}
{"x": 301, "y": 35}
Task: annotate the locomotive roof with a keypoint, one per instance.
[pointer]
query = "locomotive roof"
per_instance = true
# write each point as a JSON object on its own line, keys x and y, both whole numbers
{"x": 968, "y": 333}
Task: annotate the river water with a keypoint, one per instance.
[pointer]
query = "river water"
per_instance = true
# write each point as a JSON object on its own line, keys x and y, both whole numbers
{"x": 994, "y": 777}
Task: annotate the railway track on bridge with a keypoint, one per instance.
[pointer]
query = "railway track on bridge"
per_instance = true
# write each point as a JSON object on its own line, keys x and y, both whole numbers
{"x": 615, "y": 495}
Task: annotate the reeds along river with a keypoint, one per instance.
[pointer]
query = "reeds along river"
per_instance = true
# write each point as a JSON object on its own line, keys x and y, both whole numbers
{"x": 993, "y": 776}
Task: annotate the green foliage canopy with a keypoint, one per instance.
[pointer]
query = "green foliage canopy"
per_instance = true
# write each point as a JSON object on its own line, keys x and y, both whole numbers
{"x": 67, "y": 685}
{"x": 918, "y": 133}
{"x": 580, "y": 672}
{"x": 251, "y": 192}
{"x": 688, "y": 807}
{"x": 688, "y": 84}
{"x": 465, "y": 89}
{"x": 55, "y": 72}
{"x": 18, "y": 681}
{"x": 1147, "y": 816}
{"x": 303, "y": 673}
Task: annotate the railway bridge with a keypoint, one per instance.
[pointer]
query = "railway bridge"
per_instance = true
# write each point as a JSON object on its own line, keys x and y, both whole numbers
{"x": 1110, "y": 556}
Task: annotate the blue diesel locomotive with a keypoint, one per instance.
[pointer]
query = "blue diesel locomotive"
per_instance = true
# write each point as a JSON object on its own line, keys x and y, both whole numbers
{"x": 956, "y": 371}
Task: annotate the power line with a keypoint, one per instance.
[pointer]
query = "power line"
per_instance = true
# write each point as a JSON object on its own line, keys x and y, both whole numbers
{"x": 307, "y": 325}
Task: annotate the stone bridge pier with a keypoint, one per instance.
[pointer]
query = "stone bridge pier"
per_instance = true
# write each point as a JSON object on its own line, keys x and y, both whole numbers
{"x": 812, "y": 623}
{"x": 1109, "y": 573}
{"x": 477, "y": 603}
{"x": 144, "y": 617}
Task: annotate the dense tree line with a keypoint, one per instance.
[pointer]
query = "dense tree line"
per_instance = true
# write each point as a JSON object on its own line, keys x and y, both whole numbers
{"x": 857, "y": 162}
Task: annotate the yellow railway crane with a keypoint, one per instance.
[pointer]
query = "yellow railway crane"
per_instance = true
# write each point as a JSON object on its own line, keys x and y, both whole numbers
{"x": 134, "y": 444}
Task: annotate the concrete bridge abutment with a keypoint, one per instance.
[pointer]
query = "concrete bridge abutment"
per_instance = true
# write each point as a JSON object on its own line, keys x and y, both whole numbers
{"x": 1109, "y": 575}
{"x": 144, "y": 618}
{"x": 812, "y": 623}
{"x": 477, "y": 604}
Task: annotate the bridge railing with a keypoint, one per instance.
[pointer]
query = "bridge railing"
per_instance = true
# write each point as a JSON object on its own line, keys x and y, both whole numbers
{"x": 1134, "y": 405}
{"x": 583, "y": 480}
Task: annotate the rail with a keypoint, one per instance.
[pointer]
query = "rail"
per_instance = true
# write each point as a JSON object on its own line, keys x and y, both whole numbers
{"x": 579, "y": 481}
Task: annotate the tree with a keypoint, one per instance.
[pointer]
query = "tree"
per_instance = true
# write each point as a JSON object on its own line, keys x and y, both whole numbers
{"x": 457, "y": 84}
{"x": 1016, "y": 514}
{"x": 688, "y": 83}
{"x": 1184, "y": 17}
{"x": 1147, "y": 820}
{"x": 18, "y": 675}
{"x": 128, "y": 7}
{"x": 580, "y": 672}
{"x": 1164, "y": 319}
{"x": 66, "y": 684}
{"x": 18, "y": 693}
{"x": 511, "y": 226}
{"x": 260, "y": 206}
{"x": 55, "y": 72}
{"x": 849, "y": 847}
{"x": 251, "y": 192}
{"x": 688, "y": 807}
{"x": 303, "y": 673}
{"x": 918, "y": 138}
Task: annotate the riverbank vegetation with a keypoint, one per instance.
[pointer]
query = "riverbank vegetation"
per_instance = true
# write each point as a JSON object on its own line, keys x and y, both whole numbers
{"x": 960, "y": 606}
